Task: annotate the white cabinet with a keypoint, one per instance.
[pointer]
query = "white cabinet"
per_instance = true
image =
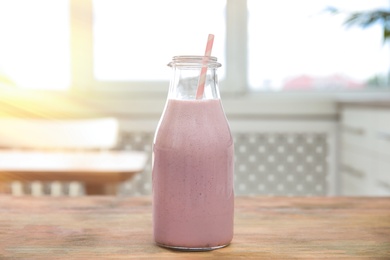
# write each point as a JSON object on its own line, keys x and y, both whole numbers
{"x": 380, "y": 181}
{"x": 365, "y": 151}
{"x": 354, "y": 170}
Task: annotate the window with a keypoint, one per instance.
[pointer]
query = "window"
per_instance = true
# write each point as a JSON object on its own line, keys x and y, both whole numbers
{"x": 295, "y": 45}
{"x": 134, "y": 40}
{"x": 34, "y": 44}
{"x": 124, "y": 45}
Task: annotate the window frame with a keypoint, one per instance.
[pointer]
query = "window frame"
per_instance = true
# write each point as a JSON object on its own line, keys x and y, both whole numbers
{"x": 235, "y": 84}
{"x": 82, "y": 78}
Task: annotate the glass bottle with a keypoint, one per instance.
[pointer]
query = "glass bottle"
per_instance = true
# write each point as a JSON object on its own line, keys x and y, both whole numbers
{"x": 193, "y": 153}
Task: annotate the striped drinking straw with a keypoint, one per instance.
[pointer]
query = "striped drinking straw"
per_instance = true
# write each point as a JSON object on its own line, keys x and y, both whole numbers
{"x": 203, "y": 72}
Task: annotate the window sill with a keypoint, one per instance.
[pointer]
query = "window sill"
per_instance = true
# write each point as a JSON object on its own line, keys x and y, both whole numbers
{"x": 274, "y": 106}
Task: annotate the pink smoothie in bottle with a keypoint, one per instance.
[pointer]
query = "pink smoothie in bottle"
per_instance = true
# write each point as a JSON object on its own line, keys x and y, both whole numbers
{"x": 193, "y": 196}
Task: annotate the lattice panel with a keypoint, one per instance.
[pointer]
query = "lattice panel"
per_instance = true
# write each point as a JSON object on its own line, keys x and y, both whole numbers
{"x": 141, "y": 184}
{"x": 288, "y": 164}
{"x": 292, "y": 164}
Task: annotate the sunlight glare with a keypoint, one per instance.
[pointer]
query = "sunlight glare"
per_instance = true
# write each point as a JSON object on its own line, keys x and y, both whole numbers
{"x": 34, "y": 45}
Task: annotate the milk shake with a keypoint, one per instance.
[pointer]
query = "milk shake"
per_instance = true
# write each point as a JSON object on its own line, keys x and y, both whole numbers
{"x": 193, "y": 176}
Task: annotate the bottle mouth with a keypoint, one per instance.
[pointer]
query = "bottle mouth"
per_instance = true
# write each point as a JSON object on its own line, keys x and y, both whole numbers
{"x": 194, "y": 61}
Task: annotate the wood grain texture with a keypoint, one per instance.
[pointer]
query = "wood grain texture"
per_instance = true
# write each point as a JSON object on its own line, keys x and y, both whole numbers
{"x": 121, "y": 228}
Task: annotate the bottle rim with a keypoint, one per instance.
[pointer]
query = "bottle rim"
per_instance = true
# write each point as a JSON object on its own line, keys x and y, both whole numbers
{"x": 194, "y": 61}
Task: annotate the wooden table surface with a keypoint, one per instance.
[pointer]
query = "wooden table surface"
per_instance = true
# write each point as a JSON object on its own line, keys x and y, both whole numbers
{"x": 121, "y": 228}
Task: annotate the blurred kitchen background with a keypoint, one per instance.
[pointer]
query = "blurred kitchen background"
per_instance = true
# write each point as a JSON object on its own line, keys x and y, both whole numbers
{"x": 305, "y": 84}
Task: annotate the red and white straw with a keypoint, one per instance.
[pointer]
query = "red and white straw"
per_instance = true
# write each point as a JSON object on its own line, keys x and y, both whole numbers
{"x": 203, "y": 72}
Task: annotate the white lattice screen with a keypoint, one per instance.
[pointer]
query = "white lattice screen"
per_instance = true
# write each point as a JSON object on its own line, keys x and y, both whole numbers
{"x": 288, "y": 164}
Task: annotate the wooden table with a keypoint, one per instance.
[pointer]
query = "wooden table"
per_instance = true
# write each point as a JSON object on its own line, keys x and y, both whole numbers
{"x": 121, "y": 228}
{"x": 100, "y": 171}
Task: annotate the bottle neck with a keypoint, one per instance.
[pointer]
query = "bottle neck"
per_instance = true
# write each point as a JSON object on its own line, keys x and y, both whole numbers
{"x": 186, "y": 75}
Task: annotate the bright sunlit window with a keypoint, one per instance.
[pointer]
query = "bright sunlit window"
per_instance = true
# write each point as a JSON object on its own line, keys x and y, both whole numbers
{"x": 34, "y": 44}
{"x": 296, "y": 45}
{"x": 134, "y": 40}
{"x": 110, "y": 45}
